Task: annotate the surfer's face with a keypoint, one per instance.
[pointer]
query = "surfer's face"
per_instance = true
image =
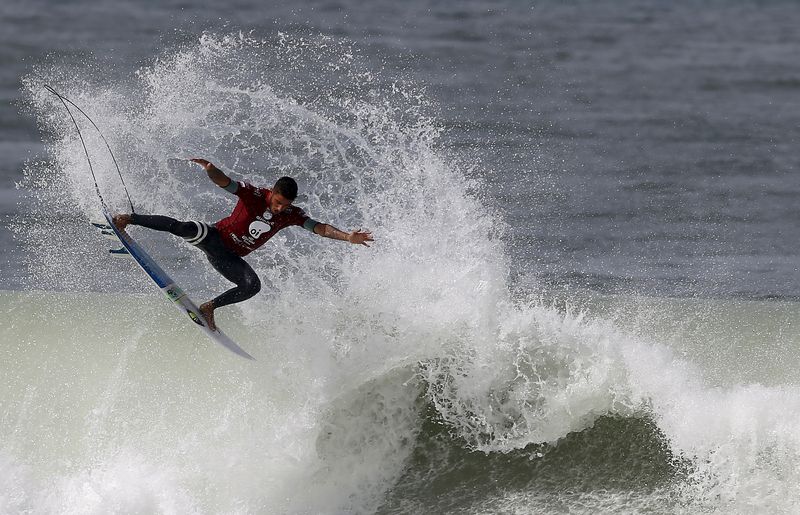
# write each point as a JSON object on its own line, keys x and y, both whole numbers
{"x": 278, "y": 203}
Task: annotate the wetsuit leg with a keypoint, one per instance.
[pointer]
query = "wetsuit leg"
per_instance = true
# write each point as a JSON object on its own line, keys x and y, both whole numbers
{"x": 232, "y": 267}
{"x": 166, "y": 224}
{"x": 225, "y": 261}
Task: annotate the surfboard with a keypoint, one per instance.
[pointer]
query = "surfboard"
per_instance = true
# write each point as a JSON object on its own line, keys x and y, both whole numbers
{"x": 174, "y": 293}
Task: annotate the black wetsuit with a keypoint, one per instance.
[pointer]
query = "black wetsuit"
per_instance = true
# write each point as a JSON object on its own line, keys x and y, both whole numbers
{"x": 207, "y": 238}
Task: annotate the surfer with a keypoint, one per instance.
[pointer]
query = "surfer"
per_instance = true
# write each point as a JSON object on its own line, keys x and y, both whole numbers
{"x": 259, "y": 214}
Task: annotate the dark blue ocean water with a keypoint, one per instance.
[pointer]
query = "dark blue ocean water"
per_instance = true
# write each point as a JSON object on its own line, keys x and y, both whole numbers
{"x": 631, "y": 146}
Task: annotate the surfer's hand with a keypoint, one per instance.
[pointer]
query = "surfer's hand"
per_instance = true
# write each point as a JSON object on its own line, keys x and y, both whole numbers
{"x": 359, "y": 237}
{"x": 202, "y": 162}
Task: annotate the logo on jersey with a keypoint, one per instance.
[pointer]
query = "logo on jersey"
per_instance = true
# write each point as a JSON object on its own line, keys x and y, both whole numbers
{"x": 174, "y": 292}
{"x": 259, "y": 228}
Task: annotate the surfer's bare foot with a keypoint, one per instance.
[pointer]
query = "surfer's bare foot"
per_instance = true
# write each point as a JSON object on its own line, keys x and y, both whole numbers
{"x": 121, "y": 221}
{"x": 207, "y": 310}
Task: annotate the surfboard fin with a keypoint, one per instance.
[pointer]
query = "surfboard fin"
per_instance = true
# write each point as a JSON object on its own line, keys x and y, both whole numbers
{"x": 105, "y": 230}
{"x": 119, "y": 252}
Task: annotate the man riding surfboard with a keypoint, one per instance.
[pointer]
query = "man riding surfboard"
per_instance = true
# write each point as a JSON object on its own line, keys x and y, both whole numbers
{"x": 259, "y": 214}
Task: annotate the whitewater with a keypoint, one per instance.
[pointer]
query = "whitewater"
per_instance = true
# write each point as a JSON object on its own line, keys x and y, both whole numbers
{"x": 408, "y": 377}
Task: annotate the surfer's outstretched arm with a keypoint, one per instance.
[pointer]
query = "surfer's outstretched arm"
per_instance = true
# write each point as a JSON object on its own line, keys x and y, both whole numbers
{"x": 357, "y": 237}
{"x": 216, "y": 175}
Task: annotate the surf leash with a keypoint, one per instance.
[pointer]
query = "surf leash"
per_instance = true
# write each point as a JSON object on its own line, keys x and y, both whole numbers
{"x": 64, "y": 101}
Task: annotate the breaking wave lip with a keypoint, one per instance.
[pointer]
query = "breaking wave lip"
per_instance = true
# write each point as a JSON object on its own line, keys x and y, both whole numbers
{"x": 425, "y": 314}
{"x": 551, "y": 375}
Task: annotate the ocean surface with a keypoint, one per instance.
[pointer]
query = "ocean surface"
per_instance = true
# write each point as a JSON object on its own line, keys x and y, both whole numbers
{"x": 582, "y": 297}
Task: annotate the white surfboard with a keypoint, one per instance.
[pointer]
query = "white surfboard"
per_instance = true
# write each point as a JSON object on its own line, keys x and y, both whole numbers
{"x": 174, "y": 293}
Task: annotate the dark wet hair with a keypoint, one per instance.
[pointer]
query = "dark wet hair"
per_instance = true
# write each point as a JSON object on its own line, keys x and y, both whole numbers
{"x": 287, "y": 187}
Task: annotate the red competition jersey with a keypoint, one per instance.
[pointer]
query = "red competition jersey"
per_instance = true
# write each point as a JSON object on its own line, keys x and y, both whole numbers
{"x": 251, "y": 223}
